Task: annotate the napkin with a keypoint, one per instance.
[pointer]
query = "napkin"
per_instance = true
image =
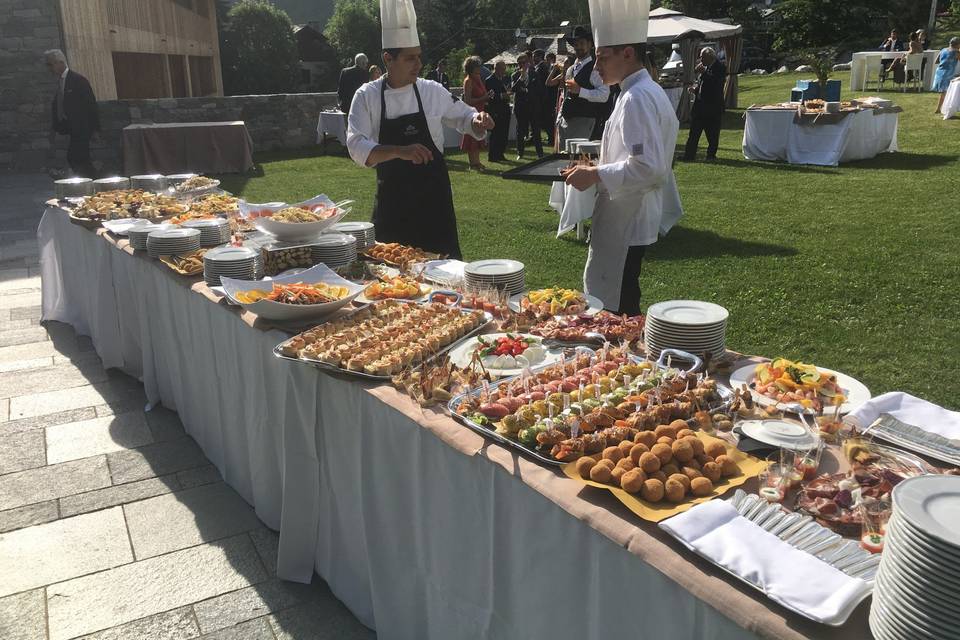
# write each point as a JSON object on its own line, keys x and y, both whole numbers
{"x": 791, "y": 577}
{"x": 912, "y": 411}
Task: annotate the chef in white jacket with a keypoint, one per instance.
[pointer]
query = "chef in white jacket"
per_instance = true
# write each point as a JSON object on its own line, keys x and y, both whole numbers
{"x": 638, "y": 197}
{"x": 396, "y": 125}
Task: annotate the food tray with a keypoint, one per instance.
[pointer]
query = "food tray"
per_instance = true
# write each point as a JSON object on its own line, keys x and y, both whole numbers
{"x": 425, "y": 257}
{"x": 454, "y": 403}
{"x": 88, "y": 223}
{"x": 545, "y": 169}
{"x": 168, "y": 261}
{"x": 368, "y": 376}
{"x": 932, "y": 445}
{"x": 803, "y": 533}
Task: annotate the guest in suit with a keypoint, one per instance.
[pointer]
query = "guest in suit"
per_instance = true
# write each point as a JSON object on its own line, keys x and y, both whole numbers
{"x": 893, "y": 43}
{"x": 74, "y": 113}
{"x": 551, "y": 101}
{"x": 520, "y": 86}
{"x": 538, "y": 96}
{"x": 438, "y": 75}
{"x": 499, "y": 109}
{"x": 708, "y": 105}
{"x": 351, "y": 79}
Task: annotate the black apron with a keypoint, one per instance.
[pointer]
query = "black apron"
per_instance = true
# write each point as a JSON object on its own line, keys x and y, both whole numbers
{"x": 414, "y": 204}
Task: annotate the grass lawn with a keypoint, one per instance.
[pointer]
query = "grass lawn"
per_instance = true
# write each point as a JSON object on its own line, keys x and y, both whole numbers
{"x": 854, "y": 268}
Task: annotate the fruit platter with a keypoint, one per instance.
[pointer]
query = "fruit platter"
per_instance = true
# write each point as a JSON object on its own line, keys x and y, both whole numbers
{"x": 800, "y": 388}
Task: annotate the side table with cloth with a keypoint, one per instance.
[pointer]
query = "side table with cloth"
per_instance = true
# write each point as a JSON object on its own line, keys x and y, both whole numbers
{"x": 774, "y": 135}
{"x": 483, "y": 543}
{"x": 181, "y": 147}
{"x": 951, "y": 101}
{"x": 859, "y": 63}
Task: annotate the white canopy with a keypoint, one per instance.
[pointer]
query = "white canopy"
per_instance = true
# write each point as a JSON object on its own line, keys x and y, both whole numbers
{"x": 666, "y": 26}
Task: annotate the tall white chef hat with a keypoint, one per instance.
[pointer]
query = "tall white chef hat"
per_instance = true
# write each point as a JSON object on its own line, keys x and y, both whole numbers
{"x": 398, "y": 19}
{"x": 616, "y": 22}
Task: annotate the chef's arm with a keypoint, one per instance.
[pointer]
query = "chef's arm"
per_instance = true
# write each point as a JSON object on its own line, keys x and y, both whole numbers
{"x": 647, "y": 165}
{"x": 459, "y": 115}
{"x": 601, "y": 92}
{"x": 415, "y": 153}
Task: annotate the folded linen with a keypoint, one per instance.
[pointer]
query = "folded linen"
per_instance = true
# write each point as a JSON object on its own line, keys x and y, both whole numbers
{"x": 912, "y": 411}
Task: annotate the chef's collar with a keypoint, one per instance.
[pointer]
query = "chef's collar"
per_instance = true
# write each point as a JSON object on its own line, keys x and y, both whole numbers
{"x": 632, "y": 79}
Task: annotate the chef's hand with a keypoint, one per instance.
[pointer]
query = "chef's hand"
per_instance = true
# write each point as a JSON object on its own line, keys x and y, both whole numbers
{"x": 415, "y": 153}
{"x": 482, "y": 122}
{"x": 581, "y": 178}
{"x": 573, "y": 87}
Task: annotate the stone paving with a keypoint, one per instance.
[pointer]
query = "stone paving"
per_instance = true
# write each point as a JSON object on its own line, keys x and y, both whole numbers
{"x": 113, "y": 524}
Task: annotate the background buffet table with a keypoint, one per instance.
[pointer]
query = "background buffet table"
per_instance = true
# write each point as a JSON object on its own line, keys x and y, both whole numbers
{"x": 420, "y": 526}
{"x": 187, "y": 147}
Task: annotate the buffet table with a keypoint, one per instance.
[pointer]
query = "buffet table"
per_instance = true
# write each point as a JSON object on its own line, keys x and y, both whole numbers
{"x": 420, "y": 526}
{"x": 773, "y": 134}
{"x": 951, "y": 101}
{"x": 858, "y": 67}
{"x": 187, "y": 147}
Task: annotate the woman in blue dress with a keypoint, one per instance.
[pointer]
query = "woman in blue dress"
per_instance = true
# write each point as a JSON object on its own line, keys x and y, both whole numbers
{"x": 946, "y": 69}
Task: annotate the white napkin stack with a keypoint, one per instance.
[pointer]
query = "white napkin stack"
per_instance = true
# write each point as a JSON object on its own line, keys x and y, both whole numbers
{"x": 793, "y": 578}
{"x": 910, "y": 410}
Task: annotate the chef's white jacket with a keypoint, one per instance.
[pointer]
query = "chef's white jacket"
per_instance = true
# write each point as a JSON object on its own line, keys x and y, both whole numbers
{"x": 439, "y": 105}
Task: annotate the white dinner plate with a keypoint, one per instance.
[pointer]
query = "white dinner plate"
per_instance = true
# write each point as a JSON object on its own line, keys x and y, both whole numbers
{"x": 594, "y": 304}
{"x": 461, "y": 354}
{"x": 493, "y": 268}
{"x": 923, "y": 609}
{"x": 444, "y": 272}
{"x": 787, "y": 434}
{"x": 279, "y": 311}
{"x": 931, "y": 504}
{"x": 230, "y": 254}
{"x": 912, "y": 615}
{"x": 688, "y": 312}
{"x": 856, "y": 392}
{"x": 122, "y": 226}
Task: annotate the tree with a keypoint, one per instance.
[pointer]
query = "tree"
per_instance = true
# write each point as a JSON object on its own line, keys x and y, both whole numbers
{"x": 354, "y": 28}
{"x": 550, "y": 13}
{"x": 740, "y": 11}
{"x": 258, "y": 51}
{"x": 454, "y": 62}
{"x": 820, "y": 23}
{"x": 495, "y": 22}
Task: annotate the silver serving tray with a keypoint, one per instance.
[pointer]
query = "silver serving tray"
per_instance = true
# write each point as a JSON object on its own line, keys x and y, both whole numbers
{"x": 802, "y": 532}
{"x": 367, "y": 376}
{"x": 909, "y": 437}
{"x": 488, "y": 432}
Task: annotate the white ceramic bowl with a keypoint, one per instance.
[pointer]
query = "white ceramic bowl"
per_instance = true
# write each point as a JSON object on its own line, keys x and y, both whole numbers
{"x": 279, "y": 311}
{"x": 260, "y": 216}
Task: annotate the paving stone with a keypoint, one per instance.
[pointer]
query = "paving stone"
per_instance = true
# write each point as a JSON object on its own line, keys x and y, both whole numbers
{"x": 39, "y": 422}
{"x": 21, "y": 299}
{"x": 199, "y": 476}
{"x": 28, "y": 515}
{"x": 187, "y": 518}
{"x": 28, "y": 351}
{"x": 76, "y": 440}
{"x": 169, "y": 625}
{"x": 22, "y": 365}
{"x": 158, "y": 459}
{"x": 140, "y": 589}
{"x": 53, "y": 481}
{"x": 23, "y": 616}
{"x": 31, "y": 312}
{"x": 267, "y": 543}
{"x": 253, "y": 602}
{"x": 322, "y": 618}
{"x": 63, "y": 549}
{"x": 37, "y": 404}
{"x": 117, "y": 494}
{"x": 253, "y": 630}
{"x": 61, "y": 376}
{"x": 10, "y": 325}
{"x": 19, "y": 451}
{"x": 164, "y": 424}
{"x": 22, "y": 336}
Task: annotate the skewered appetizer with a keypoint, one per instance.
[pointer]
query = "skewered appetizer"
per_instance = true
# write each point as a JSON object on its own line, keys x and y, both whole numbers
{"x": 398, "y": 255}
{"x": 128, "y": 203}
{"x": 612, "y": 327}
{"x": 385, "y": 337}
{"x": 209, "y": 206}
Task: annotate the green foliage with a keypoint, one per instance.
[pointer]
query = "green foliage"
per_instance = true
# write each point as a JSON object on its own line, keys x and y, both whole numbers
{"x": 444, "y": 25}
{"x": 550, "y": 13}
{"x": 740, "y": 11}
{"x": 493, "y": 20}
{"x": 819, "y": 23}
{"x": 454, "y": 63}
{"x": 354, "y": 28}
{"x": 257, "y": 49}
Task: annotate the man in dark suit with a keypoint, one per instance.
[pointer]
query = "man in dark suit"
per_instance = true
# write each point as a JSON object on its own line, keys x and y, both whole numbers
{"x": 351, "y": 79}
{"x": 537, "y": 91}
{"x": 520, "y": 86}
{"x": 499, "y": 109}
{"x": 437, "y": 75}
{"x": 708, "y": 105}
{"x": 74, "y": 113}
{"x": 893, "y": 43}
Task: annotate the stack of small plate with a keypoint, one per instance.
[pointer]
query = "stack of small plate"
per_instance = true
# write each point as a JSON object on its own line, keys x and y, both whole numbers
{"x": 362, "y": 231}
{"x": 138, "y": 234}
{"x": 499, "y": 273}
{"x": 688, "y": 325}
{"x": 172, "y": 242}
{"x": 241, "y": 263}
{"x": 213, "y": 231}
{"x": 334, "y": 249}
{"x": 916, "y": 591}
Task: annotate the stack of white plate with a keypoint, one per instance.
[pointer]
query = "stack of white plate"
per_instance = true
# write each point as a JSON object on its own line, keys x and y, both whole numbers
{"x": 334, "y": 249}
{"x": 499, "y": 273}
{"x": 213, "y": 231}
{"x": 362, "y": 231}
{"x": 138, "y": 234}
{"x": 242, "y": 263}
{"x": 689, "y": 325}
{"x": 172, "y": 242}
{"x": 916, "y": 591}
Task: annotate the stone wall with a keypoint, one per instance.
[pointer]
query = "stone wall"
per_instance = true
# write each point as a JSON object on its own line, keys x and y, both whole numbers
{"x": 27, "y": 29}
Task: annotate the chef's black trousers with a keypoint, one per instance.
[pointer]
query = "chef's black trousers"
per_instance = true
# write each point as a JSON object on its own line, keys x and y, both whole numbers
{"x": 630, "y": 287}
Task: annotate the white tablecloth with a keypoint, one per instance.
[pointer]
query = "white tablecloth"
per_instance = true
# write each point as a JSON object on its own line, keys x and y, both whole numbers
{"x": 951, "y": 101}
{"x": 573, "y": 206}
{"x": 773, "y": 135}
{"x": 334, "y": 125}
{"x": 859, "y": 62}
